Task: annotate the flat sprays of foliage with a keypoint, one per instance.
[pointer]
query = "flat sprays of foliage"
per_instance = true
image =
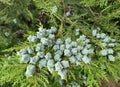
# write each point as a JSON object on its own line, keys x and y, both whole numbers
{"x": 65, "y": 43}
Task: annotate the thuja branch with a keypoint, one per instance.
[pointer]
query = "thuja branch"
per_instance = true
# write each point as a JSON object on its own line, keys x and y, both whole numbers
{"x": 3, "y": 10}
{"x": 91, "y": 11}
{"x": 93, "y": 40}
{"x": 62, "y": 21}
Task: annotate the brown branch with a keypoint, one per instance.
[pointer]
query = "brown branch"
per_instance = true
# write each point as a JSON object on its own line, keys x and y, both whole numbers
{"x": 3, "y": 10}
{"x": 91, "y": 11}
{"x": 62, "y": 21}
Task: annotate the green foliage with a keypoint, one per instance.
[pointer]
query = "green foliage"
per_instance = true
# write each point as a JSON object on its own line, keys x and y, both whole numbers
{"x": 86, "y": 15}
{"x": 100, "y": 3}
{"x": 16, "y": 18}
{"x": 16, "y": 78}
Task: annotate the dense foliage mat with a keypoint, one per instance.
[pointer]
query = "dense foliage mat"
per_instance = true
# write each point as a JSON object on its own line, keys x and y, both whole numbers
{"x": 59, "y": 43}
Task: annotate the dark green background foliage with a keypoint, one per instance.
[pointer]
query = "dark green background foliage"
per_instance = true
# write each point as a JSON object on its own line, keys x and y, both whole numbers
{"x": 21, "y": 18}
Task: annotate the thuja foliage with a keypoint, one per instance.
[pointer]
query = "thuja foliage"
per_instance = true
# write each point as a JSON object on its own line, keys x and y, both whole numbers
{"x": 16, "y": 18}
{"x": 76, "y": 44}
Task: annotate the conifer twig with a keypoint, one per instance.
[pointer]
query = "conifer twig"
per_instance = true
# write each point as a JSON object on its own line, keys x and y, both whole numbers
{"x": 91, "y": 11}
{"x": 62, "y": 21}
